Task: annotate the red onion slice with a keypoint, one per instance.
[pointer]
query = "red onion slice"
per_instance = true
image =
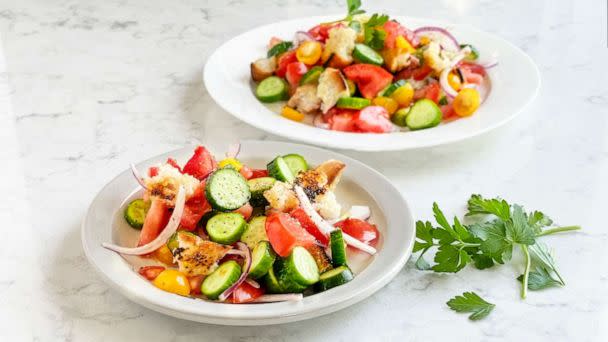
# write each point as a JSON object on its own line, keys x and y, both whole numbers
{"x": 246, "y": 267}
{"x": 162, "y": 238}
{"x": 443, "y": 77}
{"x": 325, "y": 227}
{"x": 233, "y": 150}
{"x": 300, "y": 37}
{"x": 252, "y": 283}
{"x": 236, "y": 252}
{"x": 319, "y": 122}
{"x": 439, "y": 34}
{"x": 286, "y": 297}
{"x": 138, "y": 176}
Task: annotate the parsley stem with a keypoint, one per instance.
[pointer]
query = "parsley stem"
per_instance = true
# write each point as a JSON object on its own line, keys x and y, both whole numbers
{"x": 524, "y": 283}
{"x": 558, "y": 230}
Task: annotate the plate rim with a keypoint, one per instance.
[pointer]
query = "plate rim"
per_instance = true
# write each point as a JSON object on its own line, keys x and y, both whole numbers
{"x": 314, "y": 311}
{"x": 336, "y": 143}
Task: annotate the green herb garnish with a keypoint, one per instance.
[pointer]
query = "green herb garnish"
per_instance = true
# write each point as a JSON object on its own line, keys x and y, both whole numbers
{"x": 471, "y": 302}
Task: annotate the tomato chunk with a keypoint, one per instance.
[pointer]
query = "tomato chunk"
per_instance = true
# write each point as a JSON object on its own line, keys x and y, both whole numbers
{"x": 321, "y": 32}
{"x": 284, "y": 233}
{"x": 341, "y": 119}
{"x": 360, "y": 230}
{"x": 258, "y": 173}
{"x": 393, "y": 29}
{"x": 246, "y": 211}
{"x": 201, "y": 164}
{"x": 246, "y": 172}
{"x": 174, "y": 163}
{"x": 370, "y": 79}
{"x": 151, "y": 272}
{"x": 284, "y": 60}
{"x": 156, "y": 219}
{"x": 196, "y": 206}
{"x": 245, "y": 293}
{"x": 294, "y": 73}
{"x": 373, "y": 119}
{"x": 195, "y": 284}
{"x": 307, "y": 223}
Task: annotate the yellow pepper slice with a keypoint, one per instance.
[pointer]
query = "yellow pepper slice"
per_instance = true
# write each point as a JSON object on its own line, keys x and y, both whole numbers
{"x": 164, "y": 255}
{"x": 388, "y": 103}
{"x": 235, "y": 163}
{"x": 404, "y": 45}
{"x": 292, "y": 114}
{"x": 173, "y": 281}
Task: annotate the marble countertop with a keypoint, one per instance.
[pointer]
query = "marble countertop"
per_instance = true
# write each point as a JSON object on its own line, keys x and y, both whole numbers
{"x": 88, "y": 86}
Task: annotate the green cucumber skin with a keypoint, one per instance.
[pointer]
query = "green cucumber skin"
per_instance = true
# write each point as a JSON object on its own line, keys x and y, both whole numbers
{"x": 272, "y": 282}
{"x": 338, "y": 249}
{"x": 260, "y": 267}
{"x": 333, "y": 278}
{"x": 257, "y": 186}
{"x": 311, "y": 75}
{"x": 296, "y": 163}
{"x": 366, "y": 54}
{"x": 353, "y": 103}
{"x": 135, "y": 213}
{"x": 271, "y": 89}
{"x": 298, "y": 259}
{"x": 392, "y": 87}
{"x": 255, "y": 232}
{"x": 286, "y": 281}
{"x": 216, "y": 283}
{"x": 279, "y": 170}
{"x": 222, "y": 197}
{"x": 420, "y": 108}
{"x": 226, "y": 228}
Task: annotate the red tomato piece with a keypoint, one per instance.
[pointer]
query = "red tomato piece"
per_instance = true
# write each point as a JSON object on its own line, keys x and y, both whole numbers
{"x": 196, "y": 206}
{"x": 373, "y": 119}
{"x": 472, "y": 73}
{"x": 393, "y": 30}
{"x": 246, "y": 172}
{"x": 284, "y": 233}
{"x": 151, "y": 272}
{"x": 294, "y": 73}
{"x": 201, "y": 164}
{"x": 418, "y": 73}
{"x": 360, "y": 230}
{"x": 284, "y": 60}
{"x": 448, "y": 112}
{"x": 432, "y": 92}
{"x": 155, "y": 221}
{"x": 341, "y": 119}
{"x": 153, "y": 171}
{"x": 307, "y": 223}
{"x": 245, "y": 293}
{"x": 370, "y": 79}
{"x": 245, "y": 211}
{"x": 195, "y": 284}
{"x": 321, "y": 32}
{"x": 473, "y": 67}
{"x": 258, "y": 173}
{"x": 174, "y": 163}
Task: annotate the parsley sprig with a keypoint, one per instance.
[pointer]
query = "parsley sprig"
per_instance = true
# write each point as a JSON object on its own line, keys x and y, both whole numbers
{"x": 354, "y": 8}
{"x": 471, "y": 302}
{"x": 374, "y": 34}
{"x": 488, "y": 242}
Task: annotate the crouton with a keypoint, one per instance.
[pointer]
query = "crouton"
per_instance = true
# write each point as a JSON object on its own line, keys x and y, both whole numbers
{"x": 166, "y": 183}
{"x": 396, "y": 59}
{"x": 327, "y": 205}
{"x": 196, "y": 256}
{"x": 281, "y": 197}
{"x": 338, "y": 51}
{"x": 305, "y": 99}
{"x": 434, "y": 57}
{"x": 332, "y": 87}
{"x": 321, "y": 179}
{"x": 263, "y": 68}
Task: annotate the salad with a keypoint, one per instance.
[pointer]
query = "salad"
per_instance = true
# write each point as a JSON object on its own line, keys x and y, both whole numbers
{"x": 231, "y": 233}
{"x": 371, "y": 74}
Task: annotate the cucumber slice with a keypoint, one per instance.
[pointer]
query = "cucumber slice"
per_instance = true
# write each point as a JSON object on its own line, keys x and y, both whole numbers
{"x": 296, "y": 163}
{"x": 399, "y": 117}
{"x": 135, "y": 213}
{"x": 262, "y": 259}
{"x": 221, "y": 279}
{"x": 257, "y": 186}
{"x": 226, "y": 228}
{"x": 301, "y": 267}
{"x": 172, "y": 243}
{"x": 352, "y": 87}
{"x": 353, "y": 102}
{"x": 312, "y": 75}
{"x": 255, "y": 232}
{"x": 227, "y": 190}
{"x": 287, "y": 283}
{"x": 471, "y": 56}
{"x": 279, "y": 48}
{"x": 279, "y": 169}
{"x": 338, "y": 248}
{"x": 388, "y": 91}
{"x": 336, "y": 277}
{"x": 271, "y": 89}
{"x": 272, "y": 282}
{"x": 424, "y": 114}
{"x": 365, "y": 54}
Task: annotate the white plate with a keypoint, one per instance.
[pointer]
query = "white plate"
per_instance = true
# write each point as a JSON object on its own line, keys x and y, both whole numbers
{"x": 360, "y": 185}
{"x": 515, "y": 83}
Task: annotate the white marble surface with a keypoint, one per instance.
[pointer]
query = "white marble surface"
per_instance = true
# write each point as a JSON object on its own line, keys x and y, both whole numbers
{"x": 88, "y": 86}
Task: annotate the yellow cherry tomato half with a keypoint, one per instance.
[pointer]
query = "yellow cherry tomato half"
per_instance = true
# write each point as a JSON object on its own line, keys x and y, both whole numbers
{"x": 164, "y": 255}
{"x": 466, "y": 102}
{"x": 404, "y": 45}
{"x": 309, "y": 52}
{"x": 403, "y": 95}
{"x": 235, "y": 163}
{"x": 173, "y": 281}
{"x": 388, "y": 103}
{"x": 454, "y": 81}
{"x": 292, "y": 114}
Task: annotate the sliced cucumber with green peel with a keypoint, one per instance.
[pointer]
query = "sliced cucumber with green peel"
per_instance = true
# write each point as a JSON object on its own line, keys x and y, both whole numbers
{"x": 312, "y": 75}
{"x": 279, "y": 48}
{"x": 221, "y": 279}
{"x": 227, "y": 190}
{"x": 424, "y": 114}
{"x": 338, "y": 248}
{"x": 279, "y": 169}
{"x": 352, "y": 87}
{"x": 255, "y": 232}
{"x": 257, "y": 186}
{"x": 336, "y": 277}
{"x": 301, "y": 267}
{"x": 353, "y": 102}
{"x": 226, "y": 228}
{"x": 262, "y": 259}
{"x": 296, "y": 163}
{"x": 399, "y": 117}
{"x": 271, "y": 89}
{"x": 286, "y": 281}
{"x": 365, "y": 54}
{"x": 135, "y": 213}
{"x": 272, "y": 282}
{"x": 388, "y": 91}
{"x": 173, "y": 243}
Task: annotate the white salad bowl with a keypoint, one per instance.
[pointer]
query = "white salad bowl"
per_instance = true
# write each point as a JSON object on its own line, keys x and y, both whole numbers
{"x": 514, "y": 84}
{"x": 360, "y": 185}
